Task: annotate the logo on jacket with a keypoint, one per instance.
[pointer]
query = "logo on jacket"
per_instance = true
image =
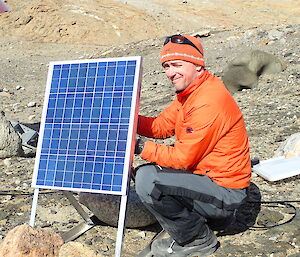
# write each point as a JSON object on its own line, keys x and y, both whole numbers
{"x": 189, "y": 130}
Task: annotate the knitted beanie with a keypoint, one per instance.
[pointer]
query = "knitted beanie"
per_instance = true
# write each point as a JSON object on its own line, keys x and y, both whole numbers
{"x": 174, "y": 51}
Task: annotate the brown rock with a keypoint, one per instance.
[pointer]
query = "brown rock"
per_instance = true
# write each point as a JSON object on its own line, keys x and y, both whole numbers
{"x": 25, "y": 241}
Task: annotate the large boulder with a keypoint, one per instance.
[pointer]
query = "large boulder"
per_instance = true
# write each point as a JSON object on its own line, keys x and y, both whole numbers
{"x": 106, "y": 208}
{"x": 25, "y": 241}
{"x": 243, "y": 71}
{"x": 10, "y": 142}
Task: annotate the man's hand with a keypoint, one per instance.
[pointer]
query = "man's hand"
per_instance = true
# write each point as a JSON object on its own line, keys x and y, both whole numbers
{"x": 139, "y": 145}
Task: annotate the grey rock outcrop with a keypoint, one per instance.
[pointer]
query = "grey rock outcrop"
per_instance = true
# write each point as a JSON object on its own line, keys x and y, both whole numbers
{"x": 106, "y": 208}
{"x": 10, "y": 142}
{"x": 243, "y": 71}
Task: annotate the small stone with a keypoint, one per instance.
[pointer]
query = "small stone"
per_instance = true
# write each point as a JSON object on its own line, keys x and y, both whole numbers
{"x": 7, "y": 162}
{"x": 31, "y": 104}
{"x": 73, "y": 221}
{"x": 53, "y": 211}
{"x": 273, "y": 238}
{"x": 5, "y": 94}
{"x": 275, "y": 34}
{"x": 16, "y": 107}
{"x": 104, "y": 248}
{"x": 31, "y": 117}
{"x": 18, "y": 87}
{"x": 202, "y": 33}
{"x": 141, "y": 234}
{"x": 266, "y": 42}
{"x": 25, "y": 185}
{"x": 287, "y": 54}
{"x": 248, "y": 34}
{"x": 282, "y": 41}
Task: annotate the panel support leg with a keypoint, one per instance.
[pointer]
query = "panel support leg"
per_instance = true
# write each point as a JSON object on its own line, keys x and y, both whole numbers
{"x": 121, "y": 223}
{"x": 34, "y": 206}
{"x": 82, "y": 227}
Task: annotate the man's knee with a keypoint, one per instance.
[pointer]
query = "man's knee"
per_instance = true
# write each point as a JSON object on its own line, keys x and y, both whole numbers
{"x": 144, "y": 181}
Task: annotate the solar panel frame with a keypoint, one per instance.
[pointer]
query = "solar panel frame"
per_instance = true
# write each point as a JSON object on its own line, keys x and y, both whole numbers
{"x": 66, "y": 88}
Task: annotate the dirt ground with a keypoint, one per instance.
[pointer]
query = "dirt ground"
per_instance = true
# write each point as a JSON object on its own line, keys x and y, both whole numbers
{"x": 37, "y": 32}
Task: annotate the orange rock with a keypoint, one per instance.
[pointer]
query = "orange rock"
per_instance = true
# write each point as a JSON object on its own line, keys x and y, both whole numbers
{"x": 25, "y": 241}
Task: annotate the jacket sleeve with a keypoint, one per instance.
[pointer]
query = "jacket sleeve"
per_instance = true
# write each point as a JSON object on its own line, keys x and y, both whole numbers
{"x": 162, "y": 126}
{"x": 208, "y": 124}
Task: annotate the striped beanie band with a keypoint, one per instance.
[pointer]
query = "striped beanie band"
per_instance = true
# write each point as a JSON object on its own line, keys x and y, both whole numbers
{"x": 190, "y": 50}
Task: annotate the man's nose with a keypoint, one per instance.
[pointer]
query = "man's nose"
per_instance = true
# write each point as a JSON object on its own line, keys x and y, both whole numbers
{"x": 170, "y": 72}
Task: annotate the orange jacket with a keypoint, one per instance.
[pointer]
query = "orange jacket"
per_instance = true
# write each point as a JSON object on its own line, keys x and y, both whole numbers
{"x": 210, "y": 132}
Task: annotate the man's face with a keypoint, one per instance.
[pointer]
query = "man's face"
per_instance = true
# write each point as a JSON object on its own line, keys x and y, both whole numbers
{"x": 181, "y": 73}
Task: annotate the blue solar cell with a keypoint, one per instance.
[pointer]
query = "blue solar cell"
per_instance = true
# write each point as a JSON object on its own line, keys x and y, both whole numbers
{"x": 88, "y": 119}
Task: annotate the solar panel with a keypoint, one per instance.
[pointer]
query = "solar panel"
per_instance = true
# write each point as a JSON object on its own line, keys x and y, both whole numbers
{"x": 88, "y": 125}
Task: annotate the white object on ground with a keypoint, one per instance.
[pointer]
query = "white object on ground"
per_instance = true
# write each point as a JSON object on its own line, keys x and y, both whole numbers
{"x": 278, "y": 168}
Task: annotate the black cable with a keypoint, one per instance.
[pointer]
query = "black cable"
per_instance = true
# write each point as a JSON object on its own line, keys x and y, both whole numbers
{"x": 16, "y": 193}
{"x": 286, "y": 204}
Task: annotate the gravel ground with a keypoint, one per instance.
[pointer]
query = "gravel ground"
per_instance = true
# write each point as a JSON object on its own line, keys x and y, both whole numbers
{"x": 271, "y": 112}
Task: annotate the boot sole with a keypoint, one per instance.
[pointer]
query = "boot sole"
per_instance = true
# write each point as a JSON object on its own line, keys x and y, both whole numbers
{"x": 206, "y": 252}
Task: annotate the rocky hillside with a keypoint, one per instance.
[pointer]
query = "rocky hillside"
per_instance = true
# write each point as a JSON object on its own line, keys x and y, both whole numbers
{"x": 37, "y": 32}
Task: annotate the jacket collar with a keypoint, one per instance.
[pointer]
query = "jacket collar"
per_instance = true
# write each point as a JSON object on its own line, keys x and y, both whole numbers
{"x": 183, "y": 95}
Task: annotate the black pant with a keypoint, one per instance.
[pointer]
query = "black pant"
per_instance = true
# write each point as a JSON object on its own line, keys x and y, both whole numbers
{"x": 182, "y": 202}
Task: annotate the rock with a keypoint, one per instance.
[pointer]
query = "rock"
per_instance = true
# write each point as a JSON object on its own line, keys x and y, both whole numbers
{"x": 7, "y": 162}
{"x": 31, "y": 104}
{"x": 243, "y": 71}
{"x": 5, "y": 94}
{"x": 106, "y": 208}
{"x": 275, "y": 34}
{"x": 76, "y": 249}
{"x": 202, "y": 33}
{"x": 16, "y": 107}
{"x": 248, "y": 34}
{"x": 31, "y": 117}
{"x": 290, "y": 147}
{"x": 10, "y": 142}
{"x": 25, "y": 241}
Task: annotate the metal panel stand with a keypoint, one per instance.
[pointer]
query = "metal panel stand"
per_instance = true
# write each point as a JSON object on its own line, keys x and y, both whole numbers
{"x": 90, "y": 222}
{"x": 121, "y": 224}
{"x": 33, "y": 207}
{"x": 82, "y": 227}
